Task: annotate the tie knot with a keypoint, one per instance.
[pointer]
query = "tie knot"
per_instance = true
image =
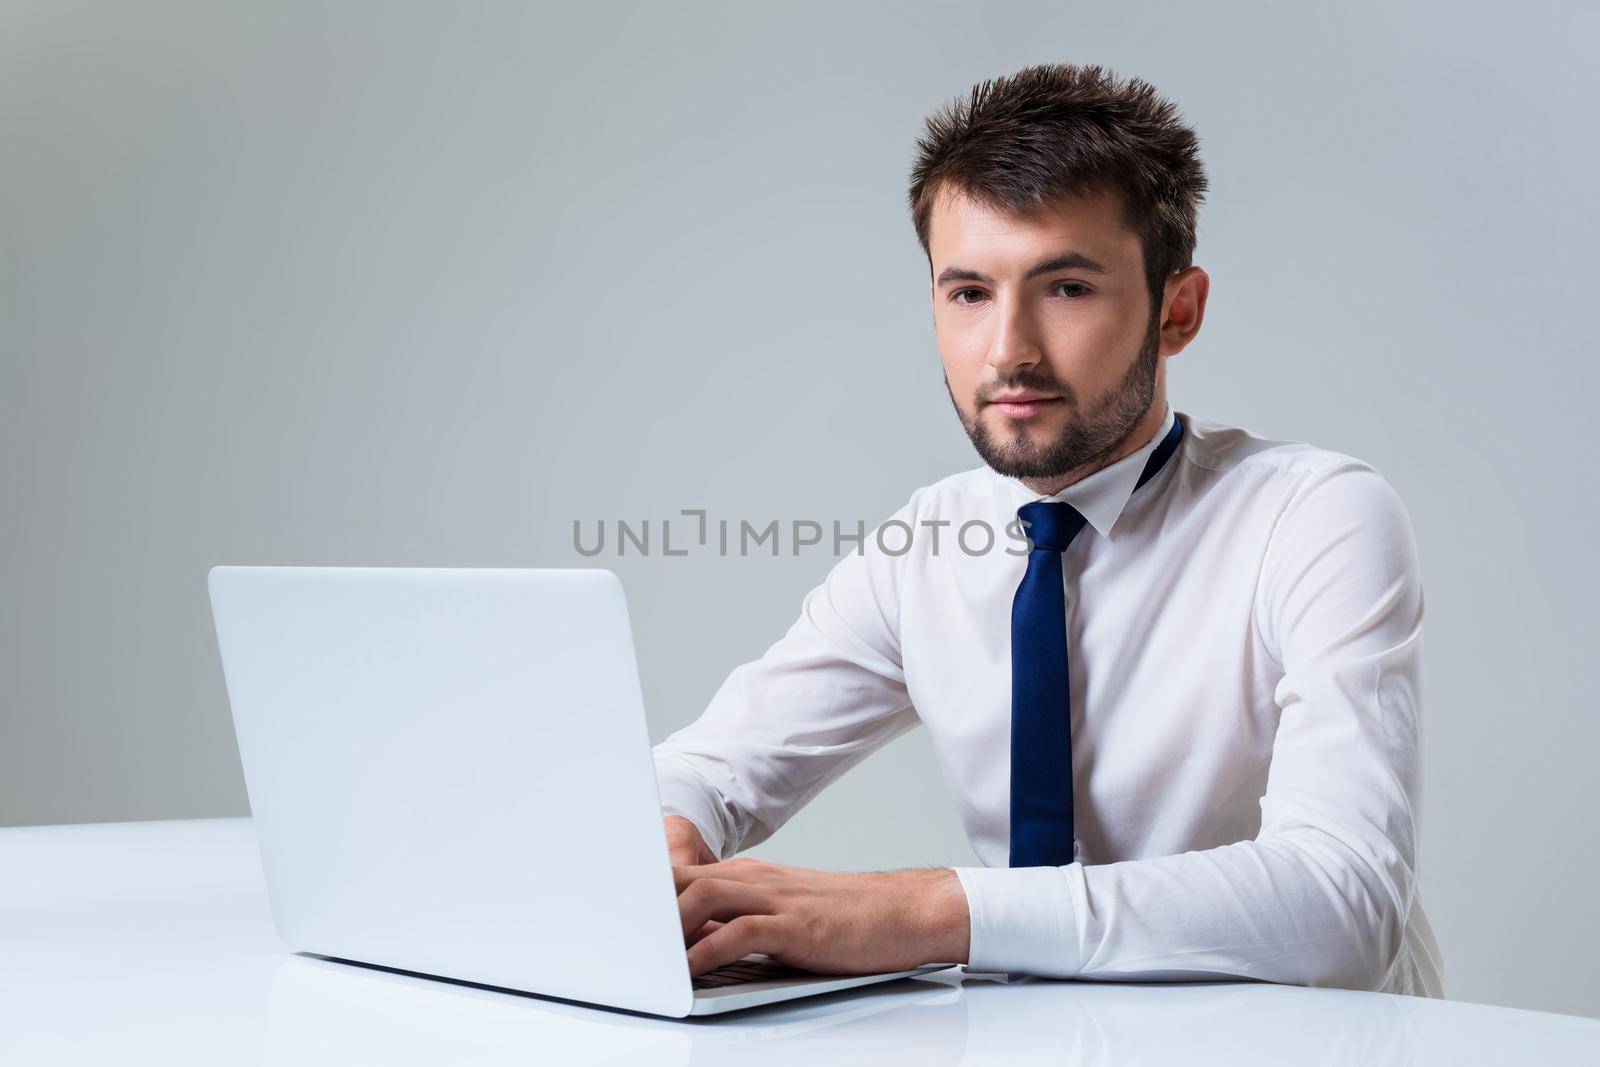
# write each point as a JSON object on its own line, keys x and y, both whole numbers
{"x": 1051, "y": 524}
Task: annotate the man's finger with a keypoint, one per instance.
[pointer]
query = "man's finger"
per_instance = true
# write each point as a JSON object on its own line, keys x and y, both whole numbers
{"x": 742, "y": 869}
{"x": 710, "y": 927}
{"x": 684, "y": 844}
{"x": 714, "y": 898}
{"x": 735, "y": 940}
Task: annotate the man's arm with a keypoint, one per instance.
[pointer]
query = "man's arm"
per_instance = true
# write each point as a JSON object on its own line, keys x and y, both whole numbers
{"x": 827, "y": 694}
{"x": 1322, "y": 894}
{"x": 822, "y": 698}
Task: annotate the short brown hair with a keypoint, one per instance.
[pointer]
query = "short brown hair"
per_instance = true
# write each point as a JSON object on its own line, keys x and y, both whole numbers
{"x": 1017, "y": 143}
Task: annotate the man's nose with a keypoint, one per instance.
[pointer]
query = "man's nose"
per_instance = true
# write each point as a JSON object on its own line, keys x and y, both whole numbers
{"x": 1015, "y": 345}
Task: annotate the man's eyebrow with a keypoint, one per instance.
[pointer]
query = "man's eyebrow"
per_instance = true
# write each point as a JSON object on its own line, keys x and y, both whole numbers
{"x": 1068, "y": 261}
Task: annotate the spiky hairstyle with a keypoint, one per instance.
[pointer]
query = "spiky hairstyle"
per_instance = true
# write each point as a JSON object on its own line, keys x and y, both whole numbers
{"x": 1016, "y": 144}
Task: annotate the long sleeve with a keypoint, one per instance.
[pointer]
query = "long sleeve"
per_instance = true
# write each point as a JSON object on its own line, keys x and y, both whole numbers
{"x": 1321, "y": 895}
{"x": 818, "y": 701}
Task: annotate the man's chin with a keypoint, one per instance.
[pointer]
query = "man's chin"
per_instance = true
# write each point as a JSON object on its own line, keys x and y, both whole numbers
{"x": 1024, "y": 470}
{"x": 1014, "y": 462}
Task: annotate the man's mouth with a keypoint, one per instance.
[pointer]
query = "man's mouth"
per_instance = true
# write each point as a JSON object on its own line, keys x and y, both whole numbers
{"x": 1022, "y": 405}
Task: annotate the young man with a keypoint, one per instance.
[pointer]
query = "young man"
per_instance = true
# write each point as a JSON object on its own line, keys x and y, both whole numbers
{"x": 1182, "y": 720}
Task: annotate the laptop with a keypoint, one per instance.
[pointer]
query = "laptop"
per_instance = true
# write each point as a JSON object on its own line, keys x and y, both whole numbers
{"x": 450, "y": 775}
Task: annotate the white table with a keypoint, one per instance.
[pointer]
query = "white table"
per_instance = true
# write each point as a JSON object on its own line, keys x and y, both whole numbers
{"x": 135, "y": 943}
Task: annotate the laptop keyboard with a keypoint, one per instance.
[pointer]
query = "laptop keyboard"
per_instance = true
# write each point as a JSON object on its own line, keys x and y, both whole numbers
{"x": 750, "y": 969}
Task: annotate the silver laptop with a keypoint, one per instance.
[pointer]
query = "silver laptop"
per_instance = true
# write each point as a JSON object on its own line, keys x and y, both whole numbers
{"x": 450, "y": 774}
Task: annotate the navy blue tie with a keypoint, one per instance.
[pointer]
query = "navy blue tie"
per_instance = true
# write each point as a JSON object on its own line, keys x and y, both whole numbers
{"x": 1041, "y": 702}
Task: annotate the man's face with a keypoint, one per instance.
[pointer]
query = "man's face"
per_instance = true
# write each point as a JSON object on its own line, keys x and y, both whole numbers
{"x": 1050, "y": 369}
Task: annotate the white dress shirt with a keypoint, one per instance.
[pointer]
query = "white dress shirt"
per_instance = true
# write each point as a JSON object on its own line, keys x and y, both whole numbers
{"x": 1244, "y": 660}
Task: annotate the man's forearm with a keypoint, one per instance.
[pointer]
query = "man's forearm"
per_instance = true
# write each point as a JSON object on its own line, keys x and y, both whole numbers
{"x": 1298, "y": 908}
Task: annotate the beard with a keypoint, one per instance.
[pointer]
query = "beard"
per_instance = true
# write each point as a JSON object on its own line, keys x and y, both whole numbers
{"x": 1087, "y": 437}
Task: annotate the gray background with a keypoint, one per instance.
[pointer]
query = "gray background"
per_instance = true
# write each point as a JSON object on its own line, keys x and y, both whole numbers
{"x": 379, "y": 284}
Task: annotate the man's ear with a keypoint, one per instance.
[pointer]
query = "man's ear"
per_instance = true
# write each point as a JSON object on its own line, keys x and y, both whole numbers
{"x": 1183, "y": 308}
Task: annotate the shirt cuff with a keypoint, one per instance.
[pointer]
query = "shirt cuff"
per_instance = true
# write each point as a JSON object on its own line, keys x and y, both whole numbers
{"x": 1024, "y": 920}
{"x": 685, "y": 793}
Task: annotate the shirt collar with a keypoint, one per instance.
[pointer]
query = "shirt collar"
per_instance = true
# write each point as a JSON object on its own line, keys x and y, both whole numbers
{"x": 1099, "y": 497}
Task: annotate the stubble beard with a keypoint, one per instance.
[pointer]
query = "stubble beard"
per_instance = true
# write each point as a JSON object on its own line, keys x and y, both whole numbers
{"x": 1086, "y": 439}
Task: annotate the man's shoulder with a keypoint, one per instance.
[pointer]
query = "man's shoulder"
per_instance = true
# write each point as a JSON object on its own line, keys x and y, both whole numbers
{"x": 1308, "y": 497}
{"x": 1226, "y": 453}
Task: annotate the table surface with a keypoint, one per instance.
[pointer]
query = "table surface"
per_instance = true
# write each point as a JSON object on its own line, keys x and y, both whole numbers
{"x": 133, "y": 943}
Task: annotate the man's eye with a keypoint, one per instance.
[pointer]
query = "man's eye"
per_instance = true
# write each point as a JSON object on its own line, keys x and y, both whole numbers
{"x": 1078, "y": 292}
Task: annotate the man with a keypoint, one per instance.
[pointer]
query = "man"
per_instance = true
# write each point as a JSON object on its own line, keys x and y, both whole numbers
{"x": 1181, "y": 721}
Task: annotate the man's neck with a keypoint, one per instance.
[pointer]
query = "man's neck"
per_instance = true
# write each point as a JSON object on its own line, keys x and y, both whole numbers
{"x": 1137, "y": 438}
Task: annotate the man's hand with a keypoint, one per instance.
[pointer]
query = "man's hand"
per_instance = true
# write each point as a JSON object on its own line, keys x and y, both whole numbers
{"x": 688, "y": 849}
{"x": 820, "y": 921}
